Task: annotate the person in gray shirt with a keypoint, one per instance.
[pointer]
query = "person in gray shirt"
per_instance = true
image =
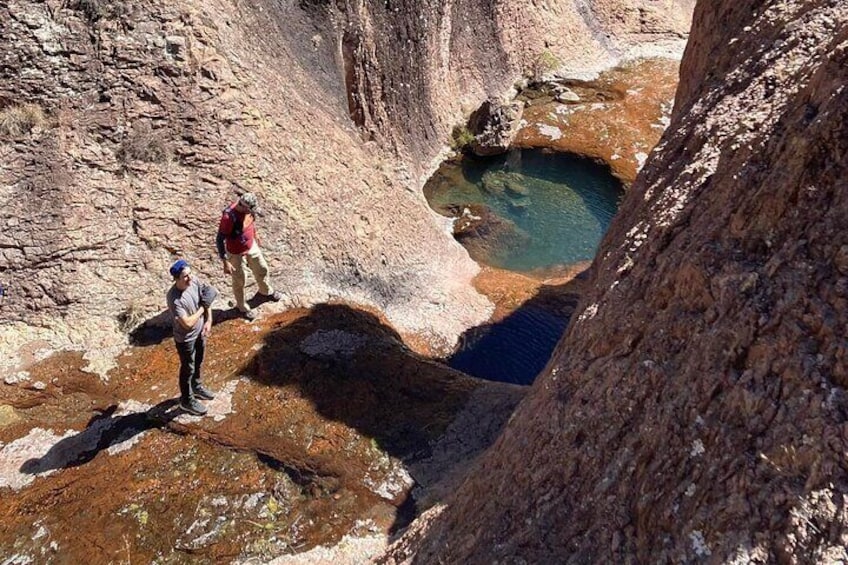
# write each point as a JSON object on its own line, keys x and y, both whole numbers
{"x": 190, "y": 304}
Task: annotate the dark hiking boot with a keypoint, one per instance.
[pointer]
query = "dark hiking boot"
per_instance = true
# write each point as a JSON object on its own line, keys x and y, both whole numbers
{"x": 275, "y": 296}
{"x": 203, "y": 393}
{"x": 192, "y": 406}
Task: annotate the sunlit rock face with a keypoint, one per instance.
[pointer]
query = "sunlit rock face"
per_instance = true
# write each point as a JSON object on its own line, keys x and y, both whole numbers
{"x": 695, "y": 409}
{"x": 331, "y": 111}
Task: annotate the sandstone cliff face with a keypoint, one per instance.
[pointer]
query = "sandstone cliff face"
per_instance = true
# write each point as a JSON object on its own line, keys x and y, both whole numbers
{"x": 330, "y": 111}
{"x": 696, "y": 408}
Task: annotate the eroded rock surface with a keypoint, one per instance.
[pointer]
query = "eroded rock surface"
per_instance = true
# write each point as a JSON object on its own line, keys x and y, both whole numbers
{"x": 696, "y": 408}
{"x": 331, "y": 111}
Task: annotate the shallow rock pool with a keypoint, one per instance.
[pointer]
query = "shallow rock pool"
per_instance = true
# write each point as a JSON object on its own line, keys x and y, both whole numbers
{"x": 527, "y": 209}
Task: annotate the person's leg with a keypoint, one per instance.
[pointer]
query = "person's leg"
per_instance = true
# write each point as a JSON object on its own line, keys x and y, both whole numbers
{"x": 259, "y": 267}
{"x": 189, "y": 367}
{"x": 199, "y": 351}
{"x": 238, "y": 281}
{"x": 186, "y": 352}
{"x": 197, "y": 388}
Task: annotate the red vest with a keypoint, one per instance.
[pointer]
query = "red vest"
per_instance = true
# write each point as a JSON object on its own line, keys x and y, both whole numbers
{"x": 239, "y": 230}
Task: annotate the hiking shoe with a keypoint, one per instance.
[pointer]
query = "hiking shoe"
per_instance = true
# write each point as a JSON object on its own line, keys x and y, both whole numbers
{"x": 192, "y": 406}
{"x": 203, "y": 393}
{"x": 275, "y": 296}
{"x": 249, "y": 315}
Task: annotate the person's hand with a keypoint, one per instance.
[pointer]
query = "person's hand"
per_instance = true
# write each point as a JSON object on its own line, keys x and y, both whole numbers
{"x": 228, "y": 269}
{"x": 207, "y": 327}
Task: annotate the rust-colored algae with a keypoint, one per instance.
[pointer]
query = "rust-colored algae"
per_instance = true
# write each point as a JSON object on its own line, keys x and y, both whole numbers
{"x": 324, "y": 405}
{"x": 620, "y": 117}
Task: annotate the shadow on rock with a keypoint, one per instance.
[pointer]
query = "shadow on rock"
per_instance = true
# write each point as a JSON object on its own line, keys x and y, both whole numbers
{"x": 102, "y": 432}
{"x": 357, "y": 371}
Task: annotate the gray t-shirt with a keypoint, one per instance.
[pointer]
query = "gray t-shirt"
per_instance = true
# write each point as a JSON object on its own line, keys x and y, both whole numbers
{"x": 183, "y": 303}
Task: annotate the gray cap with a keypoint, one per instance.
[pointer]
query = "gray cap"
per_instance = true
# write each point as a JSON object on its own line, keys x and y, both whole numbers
{"x": 249, "y": 200}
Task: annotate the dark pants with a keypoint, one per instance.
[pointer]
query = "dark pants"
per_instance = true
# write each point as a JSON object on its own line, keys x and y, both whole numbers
{"x": 191, "y": 358}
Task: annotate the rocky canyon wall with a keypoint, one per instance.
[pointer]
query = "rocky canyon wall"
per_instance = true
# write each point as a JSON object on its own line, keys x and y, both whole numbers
{"x": 696, "y": 409}
{"x": 145, "y": 118}
{"x": 415, "y": 68}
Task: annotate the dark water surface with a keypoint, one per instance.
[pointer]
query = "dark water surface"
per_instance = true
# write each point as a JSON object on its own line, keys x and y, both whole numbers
{"x": 549, "y": 210}
{"x": 512, "y": 351}
{"x": 560, "y": 205}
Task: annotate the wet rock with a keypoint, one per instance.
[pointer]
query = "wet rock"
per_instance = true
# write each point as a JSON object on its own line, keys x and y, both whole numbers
{"x": 504, "y": 183}
{"x": 483, "y": 233}
{"x": 520, "y": 204}
{"x": 516, "y": 187}
{"x": 493, "y": 183}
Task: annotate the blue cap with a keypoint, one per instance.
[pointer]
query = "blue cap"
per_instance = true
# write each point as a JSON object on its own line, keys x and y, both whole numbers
{"x": 178, "y": 267}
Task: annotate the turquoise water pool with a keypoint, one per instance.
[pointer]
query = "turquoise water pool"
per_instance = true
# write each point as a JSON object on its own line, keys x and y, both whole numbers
{"x": 549, "y": 209}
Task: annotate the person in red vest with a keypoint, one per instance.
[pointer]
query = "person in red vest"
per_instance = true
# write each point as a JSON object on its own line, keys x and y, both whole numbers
{"x": 237, "y": 244}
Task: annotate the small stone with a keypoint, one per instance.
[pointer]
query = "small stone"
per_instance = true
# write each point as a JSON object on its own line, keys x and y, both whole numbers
{"x": 8, "y": 415}
{"x": 567, "y": 96}
{"x": 176, "y": 47}
{"x": 16, "y": 378}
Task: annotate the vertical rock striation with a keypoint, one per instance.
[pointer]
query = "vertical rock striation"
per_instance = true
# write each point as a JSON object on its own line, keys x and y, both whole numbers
{"x": 696, "y": 409}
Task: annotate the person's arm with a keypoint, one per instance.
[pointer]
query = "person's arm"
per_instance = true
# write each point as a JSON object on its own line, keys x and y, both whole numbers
{"x": 187, "y": 321}
{"x": 224, "y": 227}
{"x": 207, "y": 320}
{"x": 252, "y": 217}
{"x": 219, "y": 245}
{"x": 207, "y": 298}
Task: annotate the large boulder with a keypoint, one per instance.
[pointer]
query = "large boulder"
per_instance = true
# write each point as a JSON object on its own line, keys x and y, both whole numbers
{"x": 494, "y": 125}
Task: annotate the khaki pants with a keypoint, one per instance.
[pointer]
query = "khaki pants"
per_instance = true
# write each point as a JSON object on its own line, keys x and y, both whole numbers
{"x": 258, "y": 266}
